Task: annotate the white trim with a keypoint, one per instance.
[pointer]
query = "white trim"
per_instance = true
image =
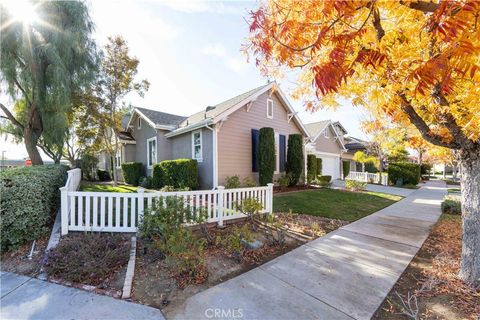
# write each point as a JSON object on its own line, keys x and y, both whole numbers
{"x": 148, "y": 152}
{"x": 201, "y": 145}
{"x": 215, "y": 157}
{"x": 118, "y": 164}
{"x": 269, "y": 101}
{"x": 320, "y": 153}
{"x": 127, "y": 141}
{"x": 325, "y": 133}
{"x": 198, "y": 125}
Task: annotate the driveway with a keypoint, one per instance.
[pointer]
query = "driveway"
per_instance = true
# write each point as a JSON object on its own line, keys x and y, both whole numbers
{"x": 404, "y": 192}
{"x": 345, "y": 275}
{"x": 28, "y": 298}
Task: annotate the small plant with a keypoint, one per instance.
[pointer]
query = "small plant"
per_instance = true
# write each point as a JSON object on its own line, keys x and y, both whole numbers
{"x": 249, "y": 182}
{"x": 284, "y": 180}
{"x": 87, "y": 258}
{"x": 250, "y": 207}
{"x": 451, "y": 205}
{"x": 274, "y": 234}
{"x": 234, "y": 242}
{"x": 232, "y": 182}
{"x": 355, "y": 185}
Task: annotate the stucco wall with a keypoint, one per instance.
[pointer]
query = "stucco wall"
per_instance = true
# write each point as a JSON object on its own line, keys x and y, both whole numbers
{"x": 235, "y": 137}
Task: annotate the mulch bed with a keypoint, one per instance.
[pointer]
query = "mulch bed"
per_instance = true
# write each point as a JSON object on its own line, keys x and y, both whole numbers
{"x": 432, "y": 280}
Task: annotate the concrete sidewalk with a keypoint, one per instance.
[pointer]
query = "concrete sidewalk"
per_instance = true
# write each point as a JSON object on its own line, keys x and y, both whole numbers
{"x": 344, "y": 275}
{"x": 404, "y": 192}
{"x": 28, "y": 298}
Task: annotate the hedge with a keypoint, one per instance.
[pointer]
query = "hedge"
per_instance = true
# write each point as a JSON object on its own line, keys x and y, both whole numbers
{"x": 311, "y": 168}
{"x": 266, "y": 155}
{"x": 319, "y": 166}
{"x": 295, "y": 158}
{"x": 408, "y": 172}
{"x": 451, "y": 206}
{"x": 132, "y": 172}
{"x": 324, "y": 178}
{"x": 103, "y": 175}
{"x": 30, "y": 196}
{"x": 345, "y": 168}
{"x": 179, "y": 173}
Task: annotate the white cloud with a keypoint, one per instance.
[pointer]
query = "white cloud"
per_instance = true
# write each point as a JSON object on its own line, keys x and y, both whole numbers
{"x": 216, "y": 49}
{"x": 238, "y": 64}
{"x": 197, "y": 6}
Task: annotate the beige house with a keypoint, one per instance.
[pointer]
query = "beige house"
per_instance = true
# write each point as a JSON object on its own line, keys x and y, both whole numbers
{"x": 329, "y": 142}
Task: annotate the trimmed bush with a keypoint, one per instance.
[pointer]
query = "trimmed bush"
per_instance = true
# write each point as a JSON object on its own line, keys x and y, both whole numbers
{"x": 179, "y": 173}
{"x": 295, "y": 158}
{"x": 29, "y": 198}
{"x": 88, "y": 163}
{"x": 311, "y": 167}
{"x": 408, "y": 173}
{"x": 132, "y": 172}
{"x": 355, "y": 185}
{"x": 425, "y": 168}
{"x": 232, "y": 182}
{"x": 345, "y": 168}
{"x": 319, "y": 166}
{"x": 451, "y": 206}
{"x": 103, "y": 175}
{"x": 325, "y": 178}
{"x": 266, "y": 155}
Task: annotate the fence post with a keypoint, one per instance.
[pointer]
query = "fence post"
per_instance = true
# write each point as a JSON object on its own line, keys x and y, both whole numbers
{"x": 141, "y": 203}
{"x": 220, "y": 207}
{"x": 64, "y": 209}
{"x": 270, "y": 197}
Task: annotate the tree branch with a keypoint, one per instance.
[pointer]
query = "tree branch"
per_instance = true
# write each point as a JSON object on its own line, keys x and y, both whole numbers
{"x": 422, "y": 126}
{"x": 10, "y": 116}
{"x": 377, "y": 24}
{"x": 423, "y": 6}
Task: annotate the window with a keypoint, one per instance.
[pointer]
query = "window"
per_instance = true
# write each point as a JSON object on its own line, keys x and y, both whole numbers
{"x": 269, "y": 109}
{"x": 151, "y": 151}
{"x": 326, "y": 133}
{"x": 277, "y": 153}
{"x": 118, "y": 158}
{"x": 139, "y": 123}
{"x": 197, "y": 145}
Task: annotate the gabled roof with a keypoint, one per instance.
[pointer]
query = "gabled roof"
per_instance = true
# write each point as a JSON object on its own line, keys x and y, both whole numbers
{"x": 352, "y": 143}
{"x": 316, "y": 128}
{"x": 158, "y": 119}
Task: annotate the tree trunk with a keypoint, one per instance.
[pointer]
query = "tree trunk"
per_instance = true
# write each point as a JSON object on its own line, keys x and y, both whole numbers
{"x": 31, "y": 146}
{"x": 470, "y": 185}
{"x": 444, "y": 170}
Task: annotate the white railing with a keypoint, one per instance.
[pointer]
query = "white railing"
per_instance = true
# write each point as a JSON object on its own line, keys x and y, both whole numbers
{"x": 121, "y": 212}
{"x": 369, "y": 177}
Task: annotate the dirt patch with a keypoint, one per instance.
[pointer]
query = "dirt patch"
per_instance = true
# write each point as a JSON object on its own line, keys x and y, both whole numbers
{"x": 17, "y": 261}
{"x": 431, "y": 281}
{"x": 155, "y": 285}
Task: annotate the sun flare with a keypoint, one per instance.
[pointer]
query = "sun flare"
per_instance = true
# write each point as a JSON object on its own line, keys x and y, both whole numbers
{"x": 21, "y": 10}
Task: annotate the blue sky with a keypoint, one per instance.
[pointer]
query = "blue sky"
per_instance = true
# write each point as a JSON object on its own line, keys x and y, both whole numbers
{"x": 190, "y": 53}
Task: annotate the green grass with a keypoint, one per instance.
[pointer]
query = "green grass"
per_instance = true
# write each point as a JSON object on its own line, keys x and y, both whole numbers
{"x": 107, "y": 188}
{"x": 335, "y": 204}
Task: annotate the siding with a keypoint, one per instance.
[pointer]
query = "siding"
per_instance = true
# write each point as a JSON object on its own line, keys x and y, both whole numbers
{"x": 182, "y": 148}
{"x": 235, "y": 141}
{"x": 329, "y": 145}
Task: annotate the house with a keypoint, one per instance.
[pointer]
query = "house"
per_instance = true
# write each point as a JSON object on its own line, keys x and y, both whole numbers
{"x": 329, "y": 142}
{"x": 223, "y": 138}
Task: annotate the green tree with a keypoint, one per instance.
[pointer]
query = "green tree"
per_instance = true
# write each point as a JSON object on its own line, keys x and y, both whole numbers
{"x": 295, "y": 161}
{"x": 117, "y": 79}
{"x": 43, "y": 62}
{"x": 266, "y": 155}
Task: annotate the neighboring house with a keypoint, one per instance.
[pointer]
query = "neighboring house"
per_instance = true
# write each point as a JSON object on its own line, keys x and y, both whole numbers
{"x": 328, "y": 142}
{"x": 223, "y": 138}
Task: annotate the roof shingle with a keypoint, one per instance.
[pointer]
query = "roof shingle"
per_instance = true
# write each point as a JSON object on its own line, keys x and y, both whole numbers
{"x": 161, "y": 118}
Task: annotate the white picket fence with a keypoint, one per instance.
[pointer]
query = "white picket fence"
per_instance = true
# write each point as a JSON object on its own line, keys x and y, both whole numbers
{"x": 368, "y": 177}
{"x": 121, "y": 212}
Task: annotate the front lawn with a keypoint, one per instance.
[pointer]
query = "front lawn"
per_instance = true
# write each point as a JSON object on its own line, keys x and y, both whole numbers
{"x": 104, "y": 187}
{"x": 335, "y": 204}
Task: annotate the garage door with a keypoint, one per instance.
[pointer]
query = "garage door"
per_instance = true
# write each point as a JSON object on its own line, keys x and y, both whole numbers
{"x": 330, "y": 167}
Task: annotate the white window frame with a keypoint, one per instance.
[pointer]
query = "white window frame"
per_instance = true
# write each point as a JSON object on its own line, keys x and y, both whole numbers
{"x": 139, "y": 123}
{"x": 118, "y": 158}
{"x": 201, "y": 145}
{"x": 269, "y": 102}
{"x": 148, "y": 152}
{"x": 326, "y": 134}
{"x": 277, "y": 153}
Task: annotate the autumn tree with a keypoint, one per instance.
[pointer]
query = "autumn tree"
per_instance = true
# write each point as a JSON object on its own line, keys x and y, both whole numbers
{"x": 43, "y": 61}
{"x": 413, "y": 61}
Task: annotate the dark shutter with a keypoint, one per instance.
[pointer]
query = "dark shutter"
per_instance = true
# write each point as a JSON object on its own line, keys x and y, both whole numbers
{"x": 282, "y": 155}
{"x": 255, "y": 139}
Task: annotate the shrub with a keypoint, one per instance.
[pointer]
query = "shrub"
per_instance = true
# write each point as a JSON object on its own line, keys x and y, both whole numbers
{"x": 408, "y": 172}
{"x": 311, "y": 167}
{"x": 249, "y": 182}
{"x": 249, "y": 207}
{"x": 29, "y": 198}
{"x": 266, "y": 156}
{"x": 319, "y": 166}
{"x": 345, "y": 168}
{"x": 232, "y": 182}
{"x": 355, "y": 185}
{"x": 370, "y": 167}
{"x": 179, "y": 173}
{"x": 88, "y": 258}
{"x": 88, "y": 163}
{"x": 103, "y": 175}
{"x": 132, "y": 172}
{"x": 295, "y": 162}
{"x": 145, "y": 182}
{"x": 284, "y": 180}
{"x": 451, "y": 206}
{"x": 425, "y": 168}
{"x": 325, "y": 178}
